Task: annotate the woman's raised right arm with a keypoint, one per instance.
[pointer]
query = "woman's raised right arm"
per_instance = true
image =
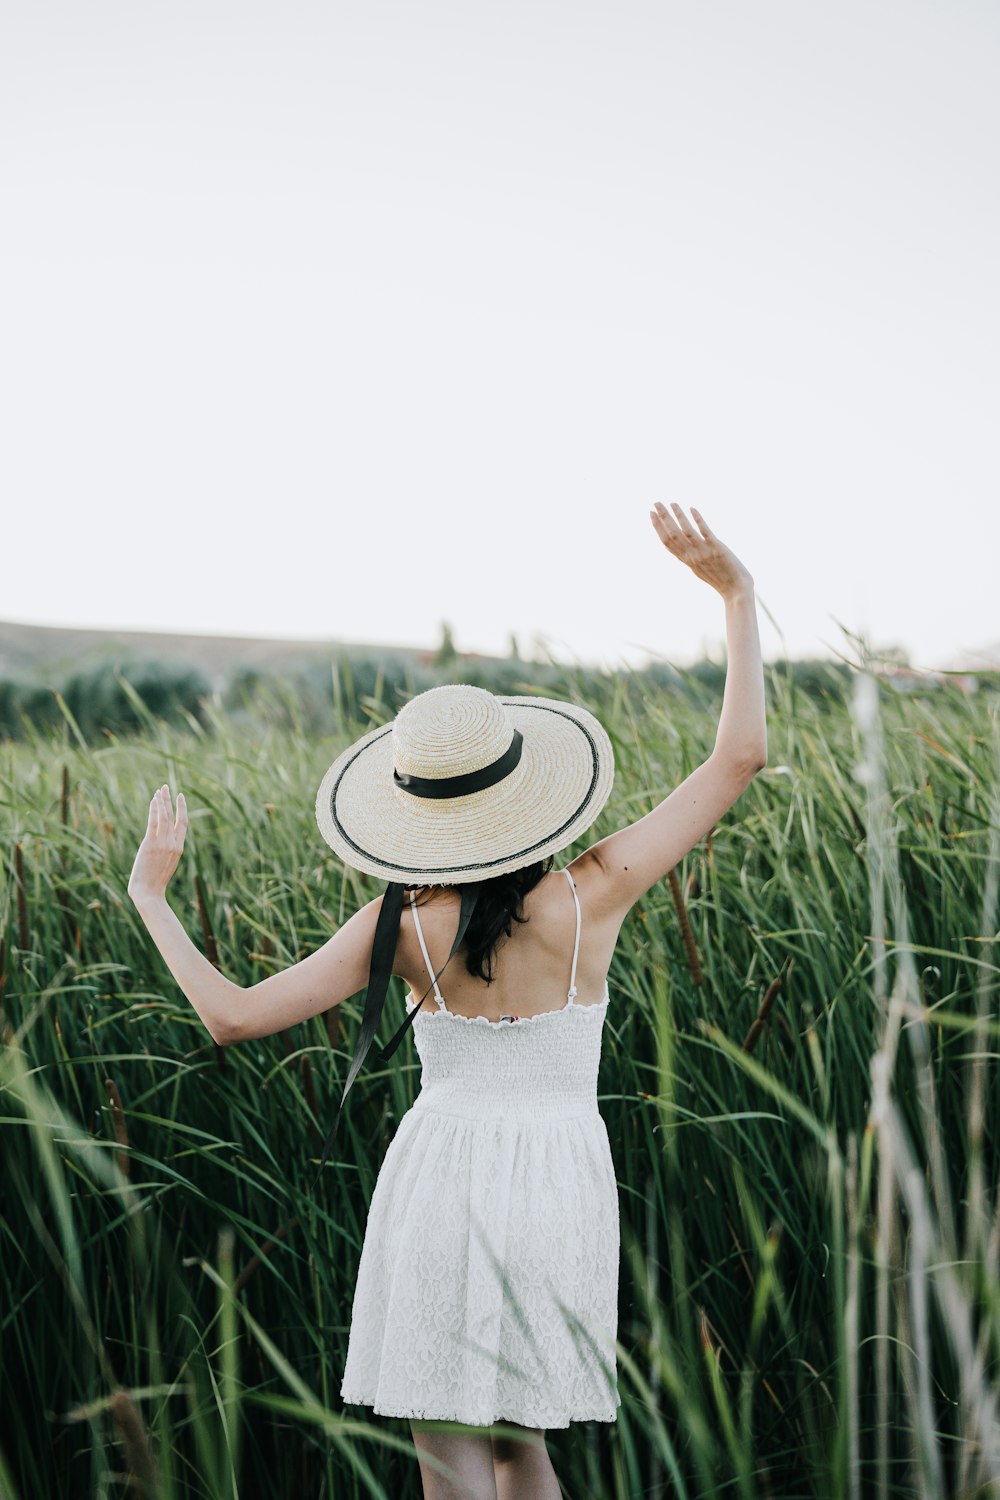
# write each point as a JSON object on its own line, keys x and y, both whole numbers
{"x": 620, "y": 868}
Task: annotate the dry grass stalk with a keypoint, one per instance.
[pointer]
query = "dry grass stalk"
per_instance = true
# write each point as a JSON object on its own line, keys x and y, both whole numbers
{"x": 208, "y": 936}
{"x": 690, "y": 946}
{"x": 256, "y": 1260}
{"x": 22, "y": 900}
{"x": 761, "y": 1018}
{"x": 120, "y": 1124}
{"x": 135, "y": 1439}
{"x": 331, "y": 1018}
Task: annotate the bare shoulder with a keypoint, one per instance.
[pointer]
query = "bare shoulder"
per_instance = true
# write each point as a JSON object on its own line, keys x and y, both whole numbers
{"x": 440, "y": 908}
{"x": 589, "y": 874}
{"x": 598, "y": 907}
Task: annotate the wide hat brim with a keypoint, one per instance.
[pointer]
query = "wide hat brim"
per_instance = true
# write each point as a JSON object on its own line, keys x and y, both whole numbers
{"x": 556, "y": 791}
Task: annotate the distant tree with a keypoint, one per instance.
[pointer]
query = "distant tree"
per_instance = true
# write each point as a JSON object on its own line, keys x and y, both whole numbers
{"x": 513, "y": 653}
{"x": 445, "y": 654}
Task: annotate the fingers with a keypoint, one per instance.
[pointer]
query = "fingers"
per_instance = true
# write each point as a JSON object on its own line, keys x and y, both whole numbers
{"x": 684, "y": 523}
{"x": 665, "y": 524}
{"x": 160, "y": 819}
{"x": 674, "y": 529}
{"x": 706, "y": 530}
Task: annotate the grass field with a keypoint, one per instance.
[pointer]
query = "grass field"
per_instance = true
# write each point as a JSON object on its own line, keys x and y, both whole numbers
{"x": 799, "y": 1080}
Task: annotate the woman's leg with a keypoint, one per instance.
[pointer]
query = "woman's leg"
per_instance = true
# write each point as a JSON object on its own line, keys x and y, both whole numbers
{"x": 469, "y": 1454}
{"x": 522, "y": 1465}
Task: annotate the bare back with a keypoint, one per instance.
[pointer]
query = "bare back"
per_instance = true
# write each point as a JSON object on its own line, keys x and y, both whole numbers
{"x": 531, "y": 968}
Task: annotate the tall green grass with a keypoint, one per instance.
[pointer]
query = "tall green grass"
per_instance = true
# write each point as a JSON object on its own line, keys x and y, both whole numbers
{"x": 799, "y": 1080}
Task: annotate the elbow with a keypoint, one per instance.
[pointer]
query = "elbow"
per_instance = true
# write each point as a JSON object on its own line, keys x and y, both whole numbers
{"x": 755, "y": 758}
{"x": 225, "y": 1031}
{"x": 748, "y": 763}
{"x": 749, "y": 767}
{"x": 226, "y": 1022}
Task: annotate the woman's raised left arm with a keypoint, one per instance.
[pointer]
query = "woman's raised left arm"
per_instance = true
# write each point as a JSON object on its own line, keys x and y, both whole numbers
{"x": 216, "y": 998}
{"x": 232, "y": 1012}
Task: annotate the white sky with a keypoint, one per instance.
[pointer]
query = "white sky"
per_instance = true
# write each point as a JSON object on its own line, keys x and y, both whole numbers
{"x": 341, "y": 320}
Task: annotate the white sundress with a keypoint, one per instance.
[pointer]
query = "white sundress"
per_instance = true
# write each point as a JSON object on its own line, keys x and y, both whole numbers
{"x": 487, "y": 1288}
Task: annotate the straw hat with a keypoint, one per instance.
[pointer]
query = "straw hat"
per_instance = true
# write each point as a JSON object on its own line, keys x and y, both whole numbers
{"x": 464, "y": 785}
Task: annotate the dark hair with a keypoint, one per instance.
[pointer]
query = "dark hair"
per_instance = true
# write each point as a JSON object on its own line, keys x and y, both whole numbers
{"x": 498, "y": 907}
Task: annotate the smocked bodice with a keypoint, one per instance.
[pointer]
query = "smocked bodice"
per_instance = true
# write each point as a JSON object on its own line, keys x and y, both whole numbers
{"x": 537, "y": 1067}
{"x": 530, "y": 1067}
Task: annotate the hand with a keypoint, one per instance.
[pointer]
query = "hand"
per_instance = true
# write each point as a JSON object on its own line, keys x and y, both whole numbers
{"x": 705, "y": 555}
{"x": 161, "y": 849}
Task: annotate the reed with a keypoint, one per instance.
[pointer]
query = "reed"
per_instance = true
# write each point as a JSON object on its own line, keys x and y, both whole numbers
{"x": 799, "y": 1079}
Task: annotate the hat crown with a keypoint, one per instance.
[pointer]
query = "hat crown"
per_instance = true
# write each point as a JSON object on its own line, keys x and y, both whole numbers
{"x": 450, "y": 730}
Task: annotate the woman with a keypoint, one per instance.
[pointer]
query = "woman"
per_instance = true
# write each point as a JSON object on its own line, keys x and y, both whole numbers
{"x": 487, "y": 1286}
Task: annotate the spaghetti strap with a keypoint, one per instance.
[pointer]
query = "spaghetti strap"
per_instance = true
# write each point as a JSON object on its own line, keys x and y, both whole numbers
{"x": 423, "y": 946}
{"x": 571, "y": 997}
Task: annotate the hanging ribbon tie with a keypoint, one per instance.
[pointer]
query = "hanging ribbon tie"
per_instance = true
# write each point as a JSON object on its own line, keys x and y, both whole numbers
{"x": 379, "y": 974}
